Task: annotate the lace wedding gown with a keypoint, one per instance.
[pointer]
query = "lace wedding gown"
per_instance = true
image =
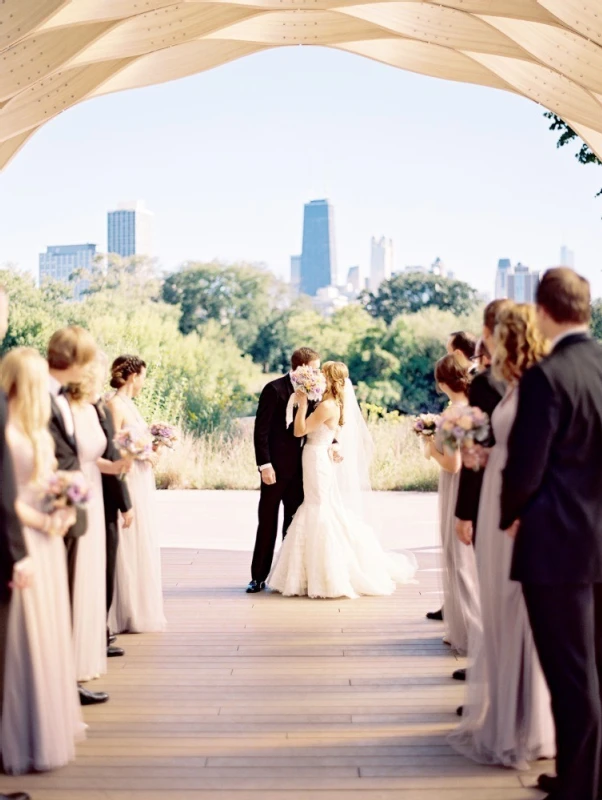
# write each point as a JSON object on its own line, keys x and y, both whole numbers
{"x": 329, "y": 551}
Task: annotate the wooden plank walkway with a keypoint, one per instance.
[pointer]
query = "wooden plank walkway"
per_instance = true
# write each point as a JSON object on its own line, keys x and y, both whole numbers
{"x": 259, "y": 697}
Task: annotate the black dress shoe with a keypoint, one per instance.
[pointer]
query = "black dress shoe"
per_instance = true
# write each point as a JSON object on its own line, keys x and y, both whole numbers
{"x": 255, "y": 586}
{"x": 460, "y": 711}
{"x": 459, "y": 675}
{"x": 88, "y": 698}
{"x": 547, "y": 783}
{"x": 115, "y": 652}
{"x": 15, "y": 796}
{"x": 435, "y": 615}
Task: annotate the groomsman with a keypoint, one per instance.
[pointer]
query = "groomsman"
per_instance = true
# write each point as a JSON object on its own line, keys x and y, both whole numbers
{"x": 552, "y": 503}
{"x": 15, "y": 565}
{"x": 278, "y": 455}
{"x": 70, "y": 350}
{"x": 463, "y": 345}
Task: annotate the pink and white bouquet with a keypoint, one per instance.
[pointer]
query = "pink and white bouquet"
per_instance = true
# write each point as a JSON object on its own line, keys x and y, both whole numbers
{"x": 463, "y": 428}
{"x": 309, "y": 380}
{"x": 65, "y": 490}
{"x": 134, "y": 443}
{"x": 426, "y": 424}
{"x": 164, "y": 435}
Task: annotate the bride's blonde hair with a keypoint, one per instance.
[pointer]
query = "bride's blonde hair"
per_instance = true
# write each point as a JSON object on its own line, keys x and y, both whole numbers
{"x": 336, "y": 374}
{"x": 24, "y": 378}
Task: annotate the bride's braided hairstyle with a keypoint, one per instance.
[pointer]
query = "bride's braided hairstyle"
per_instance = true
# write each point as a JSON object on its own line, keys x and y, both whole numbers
{"x": 123, "y": 367}
{"x": 336, "y": 374}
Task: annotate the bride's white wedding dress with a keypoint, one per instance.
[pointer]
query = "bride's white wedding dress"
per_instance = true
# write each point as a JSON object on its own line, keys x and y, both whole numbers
{"x": 329, "y": 550}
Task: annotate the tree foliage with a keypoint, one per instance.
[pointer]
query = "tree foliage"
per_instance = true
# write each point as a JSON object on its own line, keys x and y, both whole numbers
{"x": 585, "y": 155}
{"x": 408, "y": 293}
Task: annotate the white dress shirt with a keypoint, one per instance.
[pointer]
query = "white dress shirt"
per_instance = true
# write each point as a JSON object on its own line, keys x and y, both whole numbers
{"x": 63, "y": 404}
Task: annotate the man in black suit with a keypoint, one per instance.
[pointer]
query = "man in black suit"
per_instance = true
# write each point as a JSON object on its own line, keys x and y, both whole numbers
{"x": 70, "y": 350}
{"x": 463, "y": 345}
{"x": 278, "y": 455}
{"x": 15, "y": 565}
{"x": 552, "y": 502}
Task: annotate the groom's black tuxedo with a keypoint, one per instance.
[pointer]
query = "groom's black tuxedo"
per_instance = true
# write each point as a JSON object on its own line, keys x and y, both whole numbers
{"x": 485, "y": 393}
{"x": 277, "y": 445}
{"x": 552, "y": 483}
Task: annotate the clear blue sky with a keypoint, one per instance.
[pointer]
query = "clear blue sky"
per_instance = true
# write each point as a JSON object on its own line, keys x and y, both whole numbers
{"x": 226, "y": 159}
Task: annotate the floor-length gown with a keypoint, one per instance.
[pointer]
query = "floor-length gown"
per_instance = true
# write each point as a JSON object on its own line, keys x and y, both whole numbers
{"x": 460, "y": 584}
{"x": 138, "y": 600}
{"x": 89, "y": 593}
{"x": 41, "y": 716}
{"x": 328, "y": 551}
{"x": 507, "y": 715}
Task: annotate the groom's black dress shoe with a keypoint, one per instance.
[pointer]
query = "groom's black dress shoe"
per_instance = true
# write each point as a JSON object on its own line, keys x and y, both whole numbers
{"x": 459, "y": 675}
{"x": 15, "y": 796}
{"x": 435, "y": 615}
{"x": 88, "y": 698}
{"x": 547, "y": 783}
{"x": 255, "y": 586}
{"x": 115, "y": 652}
{"x": 460, "y": 711}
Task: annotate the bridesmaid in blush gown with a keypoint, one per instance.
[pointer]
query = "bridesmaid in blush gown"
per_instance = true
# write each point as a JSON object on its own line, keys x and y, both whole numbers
{"x": 41, "y": 715}
{"x": 460, "y": 583}
{"x": 138, "y": 601}
{"x": 507, "y": 718}
{"x": 89, "y": 593}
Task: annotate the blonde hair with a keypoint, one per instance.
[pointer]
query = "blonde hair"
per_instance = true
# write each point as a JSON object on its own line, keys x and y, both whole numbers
{"x": 518, "y": 342}
{"x": 24, "y": 378}
{"x": 72, "y": 346}
{"x": 92, "y": 382}
{"x": 336, "y": 374}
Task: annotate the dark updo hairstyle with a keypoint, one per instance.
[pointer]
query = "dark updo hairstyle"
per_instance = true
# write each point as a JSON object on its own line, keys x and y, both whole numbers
{"x": 123, "y": 367}
{"x": 450, "y": 372}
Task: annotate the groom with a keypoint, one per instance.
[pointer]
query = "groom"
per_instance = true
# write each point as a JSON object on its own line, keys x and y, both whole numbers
{"x": 278, "y": 456}
{"x": 552, "y": 503}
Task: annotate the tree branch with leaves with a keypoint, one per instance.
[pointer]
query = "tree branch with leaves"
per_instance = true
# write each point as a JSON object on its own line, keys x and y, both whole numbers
{"x": 585, "y": 155}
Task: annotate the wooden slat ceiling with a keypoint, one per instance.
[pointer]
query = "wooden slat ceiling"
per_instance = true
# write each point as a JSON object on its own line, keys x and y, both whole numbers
{"x": 56, "y": 53}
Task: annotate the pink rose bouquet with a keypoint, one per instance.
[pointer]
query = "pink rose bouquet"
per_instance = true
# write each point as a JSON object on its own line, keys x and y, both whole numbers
{"x": 309, "y": 380}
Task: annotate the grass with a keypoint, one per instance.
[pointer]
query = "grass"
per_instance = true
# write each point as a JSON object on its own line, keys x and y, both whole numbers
{"x": 227, "y": 461}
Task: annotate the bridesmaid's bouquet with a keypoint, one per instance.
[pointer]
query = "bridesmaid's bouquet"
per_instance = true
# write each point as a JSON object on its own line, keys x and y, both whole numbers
{"x": 164, "y": 435}
{"x": 134, "y": 444}
{"x": 464, "y": 428}
{"x": 309, "y": 380}
{"x": 65, "y": 490}
{"x": 426, "y": 424}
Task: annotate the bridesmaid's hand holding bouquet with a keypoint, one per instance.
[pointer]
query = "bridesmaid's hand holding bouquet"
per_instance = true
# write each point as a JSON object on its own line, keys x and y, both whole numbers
{"x": 465, "y": 428}
{"x": 134, "y": 444}
{"x": 164, "y": 435}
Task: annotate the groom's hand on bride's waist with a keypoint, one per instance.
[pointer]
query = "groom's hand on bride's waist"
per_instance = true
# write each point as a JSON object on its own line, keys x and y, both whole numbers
{"x": 268, "y": 474}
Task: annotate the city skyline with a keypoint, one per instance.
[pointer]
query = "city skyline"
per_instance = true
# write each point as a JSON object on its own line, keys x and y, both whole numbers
{"x": 286, "y": 126}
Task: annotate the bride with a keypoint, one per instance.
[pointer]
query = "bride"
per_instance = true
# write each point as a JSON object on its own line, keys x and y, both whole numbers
{"x": 330, "y": 550}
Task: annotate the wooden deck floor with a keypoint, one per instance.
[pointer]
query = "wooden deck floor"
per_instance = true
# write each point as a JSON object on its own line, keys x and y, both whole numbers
{"x": 256, "y": 697}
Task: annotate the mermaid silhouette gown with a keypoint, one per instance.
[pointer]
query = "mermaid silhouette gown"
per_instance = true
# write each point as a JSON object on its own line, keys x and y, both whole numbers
{"x": 329, "y": 551}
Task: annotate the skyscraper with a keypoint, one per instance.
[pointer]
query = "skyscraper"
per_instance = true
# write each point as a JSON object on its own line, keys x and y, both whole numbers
{"x": 129, "y": 230}
{"x": 318, "y": 259}
{"x": 59, "y": 262}
{"x": 522, "y": 284}
{"x": 567, "y": 257}
{"x": 504, "y": 266}
{"x": 354, "y": 280}
{"x": 381, "y": 261}
{"x": 296, "y": 274}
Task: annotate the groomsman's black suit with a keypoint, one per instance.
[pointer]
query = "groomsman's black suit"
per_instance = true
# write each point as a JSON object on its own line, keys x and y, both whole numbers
{"x": 277, "y": 445}
{"x": 552, "y": 483}
{"x": 484, "y": 393}
{"x": 12, "y": 543}
{"x": 65, "y": 448}
{"x": 116, "y": 497}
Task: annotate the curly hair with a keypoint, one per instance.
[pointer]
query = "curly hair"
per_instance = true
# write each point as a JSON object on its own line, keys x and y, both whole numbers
{"x": 123, "y": 367}
{"x": 518, "y": 342}
{"x": 336, "y": 374}
{"x": 450, "y": 372}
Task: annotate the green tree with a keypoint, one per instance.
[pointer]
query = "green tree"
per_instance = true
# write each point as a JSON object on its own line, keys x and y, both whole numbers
{"x": 596, "y": 323}
{"x": 585, "y": 155}
{"x": 408, "y": 293}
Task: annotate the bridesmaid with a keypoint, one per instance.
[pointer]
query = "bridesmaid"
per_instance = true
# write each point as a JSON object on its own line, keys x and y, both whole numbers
{"x": 460, "y": 585}
{"x": 138, "y": 601}
{"x": 41, "y": 718}
{"x": 507, "y": 715}
{"x": 89, "y": 594}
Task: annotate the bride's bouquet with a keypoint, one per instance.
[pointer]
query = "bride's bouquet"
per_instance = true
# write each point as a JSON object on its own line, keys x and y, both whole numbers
{"x": 164, "y": 435}
{"x": 464, "y": 428}
{"x": 309, "y": 380}
{"x": 65, "y": 490}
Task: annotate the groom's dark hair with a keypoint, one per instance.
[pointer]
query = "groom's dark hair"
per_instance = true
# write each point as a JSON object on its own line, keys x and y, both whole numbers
{"x": 303, "y": 356}
{"x": 565, "y": 295}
